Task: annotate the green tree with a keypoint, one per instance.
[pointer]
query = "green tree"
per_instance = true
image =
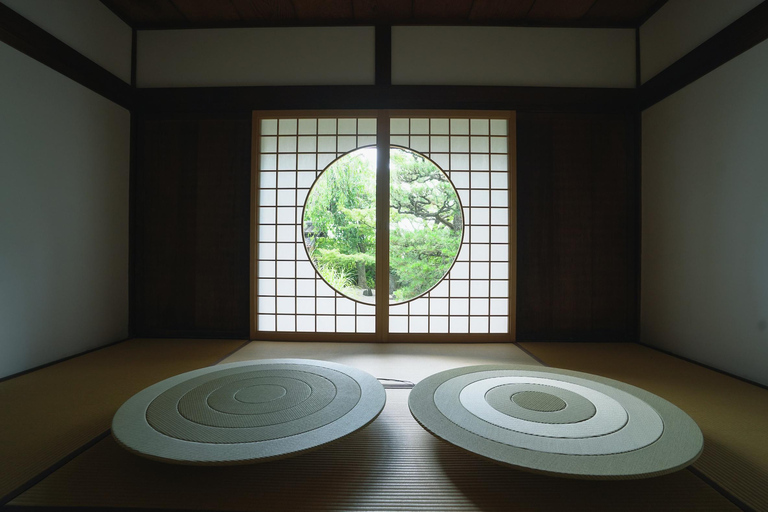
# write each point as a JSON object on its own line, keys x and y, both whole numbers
{"x": 340, "y": 220}
{"x": 425, "y": 224}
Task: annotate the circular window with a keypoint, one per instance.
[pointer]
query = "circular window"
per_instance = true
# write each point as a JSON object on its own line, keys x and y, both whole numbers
{"x": 425, "y": 225}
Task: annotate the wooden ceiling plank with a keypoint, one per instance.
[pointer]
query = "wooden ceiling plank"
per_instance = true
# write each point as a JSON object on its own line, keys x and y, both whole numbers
{"x": 312, "y": 10}
{"x": 265, "y": 10}
{"x": 145, "y": 11}
{"x": 500, "y": 11}
{"x": 559, "y": 10}
{"x": 442, "y": 10}
{"x": 205, "y": 10}
{"x": 382, "y": 11}
{"x": 217, "y": 13}
{"x": 620, "y": 12}
{"x": 245, "y": 9}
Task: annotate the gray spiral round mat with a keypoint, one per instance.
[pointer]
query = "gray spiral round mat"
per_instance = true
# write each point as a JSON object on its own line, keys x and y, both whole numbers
{"x": 556, "y": 422}
{"x": 248, "y": 411}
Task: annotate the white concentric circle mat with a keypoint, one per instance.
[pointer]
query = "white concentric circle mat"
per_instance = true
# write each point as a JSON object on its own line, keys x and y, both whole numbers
{"x": 248, "y": 411}
{"x": 556, "y": 421}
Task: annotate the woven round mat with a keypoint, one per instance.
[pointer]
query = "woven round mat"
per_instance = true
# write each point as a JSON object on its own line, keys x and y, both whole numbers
{"x": 556, "y": 422}
{"x": 248, "y": 411}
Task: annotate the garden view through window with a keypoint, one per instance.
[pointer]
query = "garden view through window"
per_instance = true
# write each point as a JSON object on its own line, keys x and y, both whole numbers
{"x": 330, "y": 257}
{"x": 425, "y": 225}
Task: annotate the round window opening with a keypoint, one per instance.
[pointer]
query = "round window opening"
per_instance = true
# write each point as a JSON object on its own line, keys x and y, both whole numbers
{"x": 425, "y": 225}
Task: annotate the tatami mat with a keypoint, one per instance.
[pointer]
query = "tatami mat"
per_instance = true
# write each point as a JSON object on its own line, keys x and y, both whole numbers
{"x": 391, "y": 465}
{"x": 403, "y": 361}
{"x": 49, "y": 413}
{"x": 732, "y": 414}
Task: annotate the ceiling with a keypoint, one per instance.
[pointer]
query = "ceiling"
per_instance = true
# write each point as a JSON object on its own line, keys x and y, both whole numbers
{"x": 148, "y": 14}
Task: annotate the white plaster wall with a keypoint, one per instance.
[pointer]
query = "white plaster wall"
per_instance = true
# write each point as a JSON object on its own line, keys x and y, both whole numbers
{"x": 554, "y": 57}
{"x": 682, "y": 25}
{"x": 256, "y": 56}
{"x": 64, "y": 154}
{"x": 88, "y": 26}
{"x": 705, "y": 219}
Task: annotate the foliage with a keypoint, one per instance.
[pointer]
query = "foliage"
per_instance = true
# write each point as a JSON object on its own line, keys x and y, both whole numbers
{"x": 335, "y": 276}
{"x": 425, "y": 224}
{"x": 340, "y": 218}
{"x": 420, "y": 189}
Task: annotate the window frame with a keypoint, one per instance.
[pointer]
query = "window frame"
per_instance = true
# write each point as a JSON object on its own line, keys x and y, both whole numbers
{"x": 382, "y": 333}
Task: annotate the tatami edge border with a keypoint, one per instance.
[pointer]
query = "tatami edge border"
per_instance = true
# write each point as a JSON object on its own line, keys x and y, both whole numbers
{"x": 63, "y": 359}
{"x": 50, "y": 470}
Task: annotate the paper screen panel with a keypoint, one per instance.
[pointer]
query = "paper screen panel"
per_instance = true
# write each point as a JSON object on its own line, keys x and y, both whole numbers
{"x": 291, "y": 296}
{"x": 474, "y": 296}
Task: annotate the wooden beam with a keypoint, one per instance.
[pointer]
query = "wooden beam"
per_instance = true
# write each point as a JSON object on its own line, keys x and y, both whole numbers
{"x": 738, "y": 37}
{"x": 383, "y": 55}
{"x": 648, "y": 15}
{"x": 195, "y": 102}
{"x": 382, "y": 226}
{"x": 23, "y": 35}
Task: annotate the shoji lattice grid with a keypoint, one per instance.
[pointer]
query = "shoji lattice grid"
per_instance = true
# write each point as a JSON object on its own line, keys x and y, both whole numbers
{"x": 474, "y": 296}
{"x": 291, "y": 295}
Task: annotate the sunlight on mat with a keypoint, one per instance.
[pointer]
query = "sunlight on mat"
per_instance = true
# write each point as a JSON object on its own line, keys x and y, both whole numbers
{"x": 405, "y": 361}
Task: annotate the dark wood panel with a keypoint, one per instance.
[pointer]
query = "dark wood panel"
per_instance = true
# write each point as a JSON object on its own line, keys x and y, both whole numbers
{"x": 23, "y": 35}
{"x": 576, "y": 227}
{"x": 240, "y": 101}
{"x": 223, "y": 208}
{"x": 738, "y": 37}
{"x": 165, "y": 226}
{"x": 191, "y": 228}
{"x": 535, "y": 251}
{"x": 572, "y": 210}
{"x": 613, "y": 224}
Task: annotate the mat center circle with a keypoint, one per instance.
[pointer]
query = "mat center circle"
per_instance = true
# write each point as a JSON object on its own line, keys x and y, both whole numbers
{"x": 260, "y": 393}
{"x": 538, "y": 401}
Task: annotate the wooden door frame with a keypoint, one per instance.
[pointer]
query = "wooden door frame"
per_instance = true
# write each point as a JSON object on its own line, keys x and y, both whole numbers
{"x": 382, "y": 333}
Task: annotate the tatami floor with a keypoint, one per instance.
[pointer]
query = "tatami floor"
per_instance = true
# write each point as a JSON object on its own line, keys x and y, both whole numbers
{"x": 56, "y": 450}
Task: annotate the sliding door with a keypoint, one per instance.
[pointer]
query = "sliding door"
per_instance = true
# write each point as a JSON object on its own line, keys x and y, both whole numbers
{"x": 383, "y": 226}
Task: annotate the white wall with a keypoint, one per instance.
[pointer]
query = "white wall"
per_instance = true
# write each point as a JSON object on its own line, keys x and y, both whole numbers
{"x": 256, "y": 56}
{"x": 88, "y": 26}
{"x": 556, "y": 57}
{"x": 64, "y": 154}
{"x": 705, "y": 219}
{"x": 682, "y": 25}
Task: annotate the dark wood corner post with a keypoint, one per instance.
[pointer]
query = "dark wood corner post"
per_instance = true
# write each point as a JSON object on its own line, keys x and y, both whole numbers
{"x": 383, "y": 60}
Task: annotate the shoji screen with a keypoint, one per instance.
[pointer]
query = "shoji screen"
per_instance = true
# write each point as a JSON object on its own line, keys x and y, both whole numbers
{"x": 474, "y": 301}
{"x": 292, "y": 152}
{"x": 475, "y": 295}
